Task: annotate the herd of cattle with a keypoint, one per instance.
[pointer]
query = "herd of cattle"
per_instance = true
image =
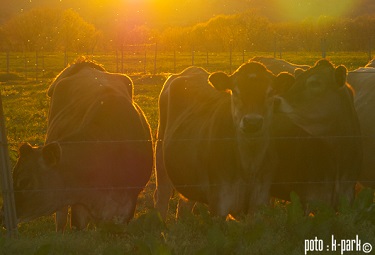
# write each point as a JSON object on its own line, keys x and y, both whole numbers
{"x": 232, "y": 142}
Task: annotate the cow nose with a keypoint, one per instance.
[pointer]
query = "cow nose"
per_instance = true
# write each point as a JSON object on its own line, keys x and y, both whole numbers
{"x": 251, "y": 123}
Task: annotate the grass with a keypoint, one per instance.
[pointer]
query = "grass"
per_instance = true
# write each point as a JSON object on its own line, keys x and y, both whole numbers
{"x": 281, "y": 229}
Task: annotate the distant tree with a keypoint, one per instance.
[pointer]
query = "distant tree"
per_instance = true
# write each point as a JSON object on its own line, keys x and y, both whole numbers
{"x": 174, "y": 38}
{"x": 33, "y": 30}
{"x": 75, "y": 33}
{"x": 5, "y": 44}
{"x": 257, "y": 32}
{"x": 47, "y": 29}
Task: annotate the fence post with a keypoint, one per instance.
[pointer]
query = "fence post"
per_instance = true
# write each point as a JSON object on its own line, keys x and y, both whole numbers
{"x": 369, "y": 48}
{"x": 65, "y": 58}
{"x": 10, "y": 217}
{"x": 43, "y": 67}
{"x": 116, "y": 53}
{"x": 122, "y": 59}
{"x": 8, "y": 61}
{"x": 274, "y": 46}
{"x": 323, "y": 47}
{"x": 145, "y": 60}
{"x": 230, "y": 56}
{"x": 192, "y": 57}
{"x": 36, "y": 65}
{"x": 25, "y": 62}
{"x": 156, "y": 54}
{"x": 174, "y": 61}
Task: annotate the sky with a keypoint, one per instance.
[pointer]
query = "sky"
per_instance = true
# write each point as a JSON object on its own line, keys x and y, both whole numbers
{"x": 156, "y": 13}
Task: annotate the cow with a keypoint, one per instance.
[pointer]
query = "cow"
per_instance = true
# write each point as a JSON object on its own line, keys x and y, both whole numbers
{"x": 315, "y": 131}
{"x": 363, "y": 81}
{"x": 277, "y": 66}
{"x": 213, "y": 137}
{"x": 98, "y": 152}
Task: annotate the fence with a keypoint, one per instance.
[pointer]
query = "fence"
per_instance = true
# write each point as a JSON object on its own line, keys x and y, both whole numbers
{"x": 40, "y": 65}
{"x": 148, "y": 60}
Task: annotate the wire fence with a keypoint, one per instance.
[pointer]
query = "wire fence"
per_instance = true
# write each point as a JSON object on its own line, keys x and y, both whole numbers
{"x": 138, "y": 59}
{"x": 147, "y": 60}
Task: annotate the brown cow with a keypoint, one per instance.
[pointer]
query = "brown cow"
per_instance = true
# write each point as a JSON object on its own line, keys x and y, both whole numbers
{"x": 316, "y": 136}
{"x": 277, "y": 66}
{"x": 98, "y": 154}
{"x": 213, "y": 137}
{"x": 363, "y": 82}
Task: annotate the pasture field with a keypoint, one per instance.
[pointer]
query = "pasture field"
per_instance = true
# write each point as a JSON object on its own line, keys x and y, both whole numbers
{"x": 281, "y": 229}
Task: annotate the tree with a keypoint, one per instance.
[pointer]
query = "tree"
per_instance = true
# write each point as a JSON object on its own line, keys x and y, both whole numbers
{"x": 33, "y": 30}
{"x": 75, "y": 33}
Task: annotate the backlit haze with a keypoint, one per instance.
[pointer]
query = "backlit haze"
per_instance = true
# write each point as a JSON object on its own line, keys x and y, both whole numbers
{"x": 164, "y": 13}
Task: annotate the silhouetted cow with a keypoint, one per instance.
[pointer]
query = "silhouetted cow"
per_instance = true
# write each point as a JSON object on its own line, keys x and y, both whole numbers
{"x": 316, "y": 135}
{"x": 363, "y": 82}
{"x": 213, "y": 137}
{"x": 277, "y": 66}
{"x": 98, "y": 154}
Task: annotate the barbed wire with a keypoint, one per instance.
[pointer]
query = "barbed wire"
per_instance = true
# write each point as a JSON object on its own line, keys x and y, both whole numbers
{"x": 208, "y": 185}
{"x": 311, "y": 137}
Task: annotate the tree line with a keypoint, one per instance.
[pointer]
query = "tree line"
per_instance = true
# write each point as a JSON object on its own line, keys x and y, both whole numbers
{"x": 44, "y": 29}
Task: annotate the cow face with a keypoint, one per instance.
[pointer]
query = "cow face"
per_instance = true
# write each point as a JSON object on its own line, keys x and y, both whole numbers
{"x": 318, "y": 100}
{"x": 251, "y": 87}
{"x": 316, "y": 82}
{"x": 37, "y": 185}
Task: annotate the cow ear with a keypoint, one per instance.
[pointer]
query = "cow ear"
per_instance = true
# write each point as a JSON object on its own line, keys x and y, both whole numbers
{"x": 340, "y": 75}
{"x": 283, "y": 82}
{"x": 25, "y": 149}
{"x": 220, "y": 80}
{"x": 51, "y": 154}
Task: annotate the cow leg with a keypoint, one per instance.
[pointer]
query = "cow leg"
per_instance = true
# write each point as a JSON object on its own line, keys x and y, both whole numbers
{"x": 80, "y": 217}
{"x": 227, "y": 198}
{"x": 184, "y": 207}
{"x": 61, "y": 218}
{"x": 259, "y": 195}
{"x": 347, "y": 193}
{"x": 164, "y": 189}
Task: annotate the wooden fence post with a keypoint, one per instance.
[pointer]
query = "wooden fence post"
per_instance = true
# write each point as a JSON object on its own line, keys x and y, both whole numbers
{"x": 230, "y": 56}
{"x": 117, "y": 68}
{"x": 323, "y": 44}
{"x": 156, "y": 55}
{"x": 192, "y": 56}
{"x": 36, "y": 66}
{"x": 145, "y": 60}
{"x": 174, "y": 61}
{"x": 10, "y": 218}
{"x": 122, "y": 58}
{"x": 369, "y": 48}
{"x": 25, "y": 64}
{"x": 7, "y": 61}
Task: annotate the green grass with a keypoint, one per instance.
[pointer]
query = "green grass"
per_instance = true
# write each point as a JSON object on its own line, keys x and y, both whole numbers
{"x": 281, "y": 229}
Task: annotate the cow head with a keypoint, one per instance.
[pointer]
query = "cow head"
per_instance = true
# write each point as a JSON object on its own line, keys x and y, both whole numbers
{"x": 36, "y": 182}
{"x": 318, "y": 98}
{"x": 320, "y": 79}
{"x": 252, "y": 87}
